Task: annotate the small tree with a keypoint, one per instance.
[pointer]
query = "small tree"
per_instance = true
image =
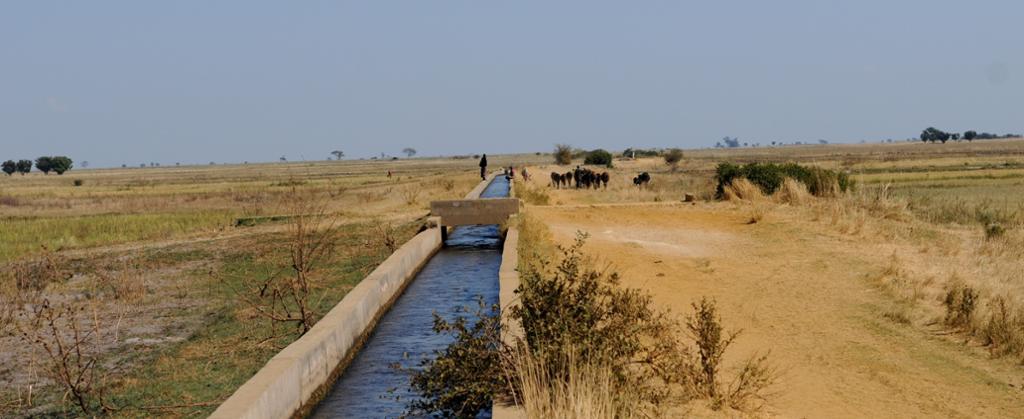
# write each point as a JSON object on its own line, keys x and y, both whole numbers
{"x": 409, "y": 151}
{"x": 44, "y": 164}
{"x": 672, "y": 157}
{"x": 970, "y": 135}
{"x": 563, "y": 154}
{"x": 932, "y": 134}
{"x": 599, "y": 157}
{"x": 24, "y": 166}
{"x": 9, "y": 167}
{"x": 61, "y": 164}
{"x": 338, "y": 154}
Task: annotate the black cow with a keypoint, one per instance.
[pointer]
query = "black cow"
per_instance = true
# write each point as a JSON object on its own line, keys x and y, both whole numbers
{"x": 642, "y": 180}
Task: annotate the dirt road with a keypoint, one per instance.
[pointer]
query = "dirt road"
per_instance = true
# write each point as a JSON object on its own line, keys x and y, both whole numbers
{"x": 803, "y": 292}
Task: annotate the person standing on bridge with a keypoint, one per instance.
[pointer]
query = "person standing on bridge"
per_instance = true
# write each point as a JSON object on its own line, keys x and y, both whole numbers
{"x": 483, "y": 167}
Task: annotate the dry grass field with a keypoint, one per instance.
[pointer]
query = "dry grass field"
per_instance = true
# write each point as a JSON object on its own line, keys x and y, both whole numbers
{"x": 139, "y": 285}
{"x": 901, "y": 298}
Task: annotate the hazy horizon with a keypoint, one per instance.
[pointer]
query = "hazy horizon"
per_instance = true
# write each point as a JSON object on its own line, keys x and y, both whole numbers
{"x": 128, "y": 83}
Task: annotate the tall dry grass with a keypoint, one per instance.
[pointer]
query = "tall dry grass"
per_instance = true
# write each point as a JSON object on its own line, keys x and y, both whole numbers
{"x": 587, "y": 391}
{"x": 745, "y": 190}
{"x": 793, "y": 192}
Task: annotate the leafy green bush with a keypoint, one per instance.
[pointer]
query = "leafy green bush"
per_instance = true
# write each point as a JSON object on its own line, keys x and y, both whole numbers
{"x": 576, "y": 309}
{"x": 461, "y": 380}
{"x": 599, "y": 157}
{"x": 769, "y": 177}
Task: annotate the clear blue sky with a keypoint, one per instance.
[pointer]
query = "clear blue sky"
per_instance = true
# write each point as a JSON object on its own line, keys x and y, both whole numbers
{"x": 194, "y": 81}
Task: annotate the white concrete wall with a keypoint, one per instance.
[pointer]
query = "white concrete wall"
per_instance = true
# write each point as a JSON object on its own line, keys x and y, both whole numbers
{"x": 508, "y": 280}
{"x": 299, "y": 375}
{"x": 292, "y": 377}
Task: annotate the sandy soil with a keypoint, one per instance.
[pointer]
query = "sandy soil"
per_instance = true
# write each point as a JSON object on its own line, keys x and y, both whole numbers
{"x": 804, "y": 293}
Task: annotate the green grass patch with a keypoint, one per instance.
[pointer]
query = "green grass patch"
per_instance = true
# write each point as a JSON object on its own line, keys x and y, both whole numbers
{"x": 26, "y": 235}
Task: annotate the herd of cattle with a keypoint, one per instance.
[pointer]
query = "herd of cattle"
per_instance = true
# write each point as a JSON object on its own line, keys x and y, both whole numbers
{"x": 586, "y": 179}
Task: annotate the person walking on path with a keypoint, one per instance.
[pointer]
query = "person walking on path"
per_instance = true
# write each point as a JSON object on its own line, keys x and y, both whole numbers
{"x": 483, "y": 167}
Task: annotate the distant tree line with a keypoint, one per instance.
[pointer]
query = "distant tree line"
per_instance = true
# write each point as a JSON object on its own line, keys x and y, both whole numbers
{"x": 933, "y": 135}
{"x": 45, "y": 164}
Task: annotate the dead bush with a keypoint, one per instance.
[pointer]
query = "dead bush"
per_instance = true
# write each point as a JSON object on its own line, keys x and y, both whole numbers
{"x": 71, "y": 351}
{"x": 1003, "y": 331}
{"x": 411, "y": 196}
{"x": 125, "y": 281}
{"x": 284, "y": 293}
{"x": 36, "y": 274}
{"x": 748, "y": 389}
{"x": 961, "y": 301}
{"x": 448, "y": 185}
{"x": 758, "y": 213}
{"x": 385, "y": 235}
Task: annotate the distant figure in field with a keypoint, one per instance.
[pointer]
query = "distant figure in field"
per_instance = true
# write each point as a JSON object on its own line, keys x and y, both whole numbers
{"x": 389, "y": 174}
{"x": 526, "y": 175}
{"x": 483, "y": 167}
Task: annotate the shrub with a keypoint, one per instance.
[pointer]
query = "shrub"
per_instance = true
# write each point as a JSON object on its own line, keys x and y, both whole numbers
{"x": 461, "y": 380}
{"x": 747, "y": 389}
{"x": 672, "y": 157}
{"x": 994, "y": 231}
{"x": 1003, "y": 333}
{"x": 960, "y": 303}
{"x": 575, "y": 309}
{"x": 592, "y": 349}
{"x": 79, "y": 182}
{"x": 563, "y": 154}
{"x": 599, "y": 157}
{"x": 769, "y": 177}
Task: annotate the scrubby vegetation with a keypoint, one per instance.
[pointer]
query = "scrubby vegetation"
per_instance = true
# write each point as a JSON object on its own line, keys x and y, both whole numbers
{"x": 673, "y": 157}
{"x": 563, "y": 154}
{"x": 641, "y": 152}
{"x": 770, "y": 176}
{"x": 589, "y": 345}
{"x": 599, "y": 157}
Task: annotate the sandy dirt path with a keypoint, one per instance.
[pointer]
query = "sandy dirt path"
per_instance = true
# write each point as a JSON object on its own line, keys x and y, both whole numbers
{"x": 802, "y": 292}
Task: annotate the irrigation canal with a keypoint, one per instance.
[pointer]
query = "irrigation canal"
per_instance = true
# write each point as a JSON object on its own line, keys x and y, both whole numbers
{"x": 463, "y": 270}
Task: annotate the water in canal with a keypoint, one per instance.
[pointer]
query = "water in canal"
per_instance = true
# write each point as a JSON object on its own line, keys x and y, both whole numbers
{"x": 467, "y": 267}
